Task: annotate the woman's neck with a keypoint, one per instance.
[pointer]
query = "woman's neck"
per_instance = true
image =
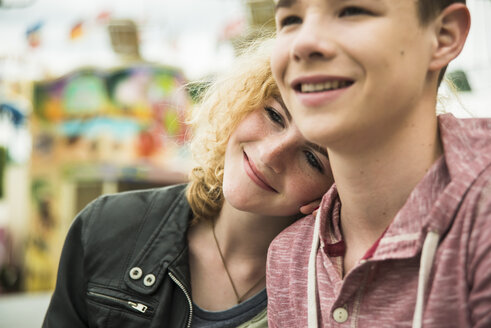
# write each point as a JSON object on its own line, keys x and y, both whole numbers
{"x": 247, "y": 235}
{"x": 243, "y": 239}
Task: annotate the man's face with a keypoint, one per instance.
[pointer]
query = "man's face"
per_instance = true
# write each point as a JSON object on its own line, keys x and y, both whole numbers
{"x": 348, "y": 69}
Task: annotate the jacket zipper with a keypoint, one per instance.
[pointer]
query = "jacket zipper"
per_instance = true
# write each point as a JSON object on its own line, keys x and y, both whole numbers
{"x": 142, "y": 308}
{"x": 178, "y": 283}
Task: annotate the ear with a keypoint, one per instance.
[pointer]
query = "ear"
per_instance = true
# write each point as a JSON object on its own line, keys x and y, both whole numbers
{"x": 310, "y": 207}
{"x": 452, "y": 27}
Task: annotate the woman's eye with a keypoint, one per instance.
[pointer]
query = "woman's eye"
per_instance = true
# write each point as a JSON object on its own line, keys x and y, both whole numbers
{"x": 290, "y": 20}
{"x": 353, "y": 11}
{"x": 274, "y": 116}
{"x": 313, "y": 161}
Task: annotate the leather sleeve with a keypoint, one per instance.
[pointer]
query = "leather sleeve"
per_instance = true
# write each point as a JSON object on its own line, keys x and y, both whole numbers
{"x": 67, "y": 307}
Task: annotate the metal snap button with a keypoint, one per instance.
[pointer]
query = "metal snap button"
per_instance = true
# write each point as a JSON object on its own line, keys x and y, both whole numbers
{"x": 340, "y": 315}
{"x": 149, "y": 280}
{"x": 136, "y": 273}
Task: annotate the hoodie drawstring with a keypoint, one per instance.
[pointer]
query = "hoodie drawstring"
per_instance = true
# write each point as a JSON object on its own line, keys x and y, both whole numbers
{"x": 427, "y": 256}
{"x": 312, "y": 275}
{"x": 430, "y": 246}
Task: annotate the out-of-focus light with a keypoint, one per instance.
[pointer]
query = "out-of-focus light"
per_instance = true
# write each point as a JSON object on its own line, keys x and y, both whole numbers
{"x": 460, "y": 81}
{"x": 16, "y": 3}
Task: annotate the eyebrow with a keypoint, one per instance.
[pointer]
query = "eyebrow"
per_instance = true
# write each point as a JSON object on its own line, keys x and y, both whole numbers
{"x": 280, "y": 101}
{"x": 285, "y": 3}
{"x": 290, "y": 3}
{"x": 318, "y": 148}
{"x": 312, "y": 145}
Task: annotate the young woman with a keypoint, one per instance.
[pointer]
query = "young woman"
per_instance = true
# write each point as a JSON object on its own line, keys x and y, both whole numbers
{"x": 194, "y": 255}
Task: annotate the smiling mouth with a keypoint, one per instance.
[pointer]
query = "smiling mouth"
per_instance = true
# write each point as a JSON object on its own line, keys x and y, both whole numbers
{"x": 322, "y": 86}
{"x": 255, "y": 175}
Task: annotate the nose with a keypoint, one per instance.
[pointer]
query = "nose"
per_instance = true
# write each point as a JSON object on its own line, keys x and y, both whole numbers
{"x": 312, "y": 41}
{"x": 278, "y": 151}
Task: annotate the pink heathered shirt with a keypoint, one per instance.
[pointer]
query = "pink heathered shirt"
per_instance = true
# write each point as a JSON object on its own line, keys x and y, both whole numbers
{"x": 453, "y": 199}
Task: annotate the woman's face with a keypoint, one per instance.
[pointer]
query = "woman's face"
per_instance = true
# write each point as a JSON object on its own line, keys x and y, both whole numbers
{"x": 270, "y": 168}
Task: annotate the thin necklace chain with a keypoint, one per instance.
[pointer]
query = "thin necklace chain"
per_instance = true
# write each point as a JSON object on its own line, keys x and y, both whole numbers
{"x": 239, "y": 298}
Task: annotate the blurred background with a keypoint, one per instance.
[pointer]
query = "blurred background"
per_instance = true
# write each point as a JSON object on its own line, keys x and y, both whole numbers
{"x": 93, "y": 99}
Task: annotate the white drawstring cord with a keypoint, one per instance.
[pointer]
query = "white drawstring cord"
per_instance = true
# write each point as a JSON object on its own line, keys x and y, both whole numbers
{"x": 427, "y": 256}
{"x": 312, "y": 276}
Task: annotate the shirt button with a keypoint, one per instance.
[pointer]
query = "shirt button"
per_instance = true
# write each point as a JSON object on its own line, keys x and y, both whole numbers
{"x": 136, "y": 273}
{"x": 149, "y": 280}
{"x": 340, "y": 315}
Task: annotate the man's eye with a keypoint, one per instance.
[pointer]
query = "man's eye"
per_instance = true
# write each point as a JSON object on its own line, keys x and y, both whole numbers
{"x": 313, "y": 161}
{"x": 353, "y": 11}
{"x": 274, "y": 116}
{"x": 290, "y": 20}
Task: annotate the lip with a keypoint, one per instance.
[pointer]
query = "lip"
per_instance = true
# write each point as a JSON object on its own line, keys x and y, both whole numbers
{"x": 313, "y": 99}
{"x": 256, "y": 176}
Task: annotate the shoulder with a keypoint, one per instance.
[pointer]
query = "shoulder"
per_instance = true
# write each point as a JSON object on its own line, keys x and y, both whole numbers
{"x": 291, "y": 247}
{"x": 299, "y": 234}
{"x": 131, "y": 204}
{"x": 474, "y": 126}
{"x": 466, "y": 143}
{"x": 124, "y": 215}
{"x": 476, "y": 220}
{"x": 477, "y": 200}
{"x": 478, "y": 203}
{"x": 286, "y": 272}
{"x": 470, "y": 231}
{"x": 135, "y": 201}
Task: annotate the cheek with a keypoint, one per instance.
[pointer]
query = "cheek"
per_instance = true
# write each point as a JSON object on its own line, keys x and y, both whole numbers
{"x": 233, "y": 182}
{"x": 227, "y": 170}
{"x": 279, "y": 59}
{"x": 251, "y": 128}
{"x": 305, "y": 189}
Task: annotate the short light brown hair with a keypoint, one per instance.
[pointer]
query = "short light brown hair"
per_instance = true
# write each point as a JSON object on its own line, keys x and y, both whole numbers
{"x": 429, "y": 9}
{"x": 224, "y": 105}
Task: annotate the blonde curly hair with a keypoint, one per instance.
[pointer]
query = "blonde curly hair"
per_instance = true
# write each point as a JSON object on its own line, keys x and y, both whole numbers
{"x": 223, "y": 106}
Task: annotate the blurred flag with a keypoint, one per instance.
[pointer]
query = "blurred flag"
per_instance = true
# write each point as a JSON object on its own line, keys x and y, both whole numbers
{"x": 104, "y": 17}
{"x": 77, "y": 30}
{"x": 33, "y": 35}
{"x": 232, "y": 29}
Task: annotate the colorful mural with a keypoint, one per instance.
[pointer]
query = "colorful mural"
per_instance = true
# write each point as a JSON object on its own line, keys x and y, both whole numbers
{"x": 105, "y": 128}
{"x": 137, "y": 110}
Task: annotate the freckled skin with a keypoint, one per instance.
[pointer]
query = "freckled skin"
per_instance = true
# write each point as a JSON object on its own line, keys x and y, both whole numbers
{"x": 278, "y": 152}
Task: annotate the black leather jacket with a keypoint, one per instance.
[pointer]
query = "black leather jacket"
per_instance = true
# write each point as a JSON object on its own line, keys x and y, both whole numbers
{"x": 125, "y": 263}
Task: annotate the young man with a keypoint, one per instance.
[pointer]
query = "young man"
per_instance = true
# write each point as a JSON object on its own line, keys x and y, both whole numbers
{"x": 404, "y": 236}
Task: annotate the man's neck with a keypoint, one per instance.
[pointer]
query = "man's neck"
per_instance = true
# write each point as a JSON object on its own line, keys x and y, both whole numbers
{"x": 374, "y": 183}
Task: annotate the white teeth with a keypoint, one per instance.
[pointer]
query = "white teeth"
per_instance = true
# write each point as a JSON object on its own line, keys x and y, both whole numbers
{"x": 308, "y": 87}
{"x": 324, "y": 86}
